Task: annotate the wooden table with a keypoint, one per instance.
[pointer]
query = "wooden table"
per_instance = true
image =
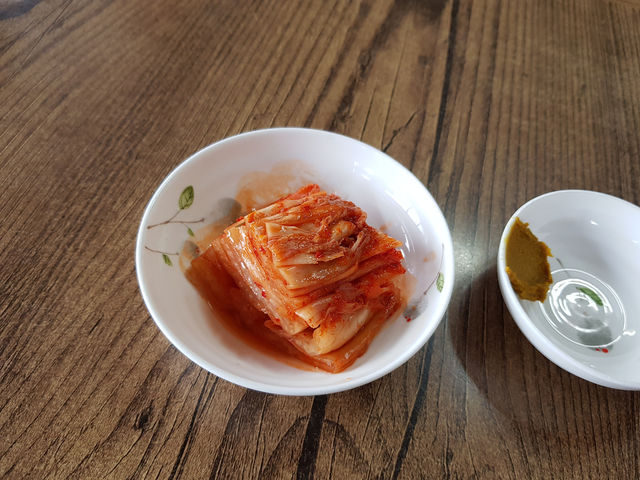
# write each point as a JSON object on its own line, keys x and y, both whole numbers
{"x": 489, "y": 103}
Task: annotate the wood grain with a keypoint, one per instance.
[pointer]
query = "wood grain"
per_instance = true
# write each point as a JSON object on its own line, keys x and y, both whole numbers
{"x": 489, "y": 103}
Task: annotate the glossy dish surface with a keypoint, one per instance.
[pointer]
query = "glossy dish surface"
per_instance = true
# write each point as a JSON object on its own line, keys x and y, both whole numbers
{"x": 589, "y": 323}
{"x": 208, "y": 187}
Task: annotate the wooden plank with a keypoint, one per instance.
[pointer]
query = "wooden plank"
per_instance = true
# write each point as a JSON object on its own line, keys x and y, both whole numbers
{"x": 489, "y": 103}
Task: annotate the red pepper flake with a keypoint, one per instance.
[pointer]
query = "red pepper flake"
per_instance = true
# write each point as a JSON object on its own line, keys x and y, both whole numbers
{"x": 318, "y": 254}
{"x": 605, "y": 350}
{"x": 407, "y": 318}
{"x": 239, "y": 218}
{"x": 597, "y": 349}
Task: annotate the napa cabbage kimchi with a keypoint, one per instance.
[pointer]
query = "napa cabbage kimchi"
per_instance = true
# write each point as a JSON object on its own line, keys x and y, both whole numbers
{"x": 324, "y": 280}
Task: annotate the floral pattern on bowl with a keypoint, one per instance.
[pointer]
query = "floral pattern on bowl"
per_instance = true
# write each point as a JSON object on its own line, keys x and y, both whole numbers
{"x": 184, "y": 201}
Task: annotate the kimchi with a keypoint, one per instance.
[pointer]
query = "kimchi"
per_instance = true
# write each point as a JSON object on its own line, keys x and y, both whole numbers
{"x": 314, "y": 274}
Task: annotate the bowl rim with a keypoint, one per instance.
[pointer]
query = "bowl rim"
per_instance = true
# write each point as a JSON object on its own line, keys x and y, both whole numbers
{"x": 537, "y": 338}
{"x": 448, "y": 267}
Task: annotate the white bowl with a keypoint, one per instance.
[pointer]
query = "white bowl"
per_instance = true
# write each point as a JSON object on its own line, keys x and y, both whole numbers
{"x": 590, "y": 322}
{"x": 393, "y": 198}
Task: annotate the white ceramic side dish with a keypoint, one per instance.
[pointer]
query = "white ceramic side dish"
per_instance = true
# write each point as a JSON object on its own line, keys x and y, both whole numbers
{"x": 203, "y": 189}
{"x": 590, "y": 322}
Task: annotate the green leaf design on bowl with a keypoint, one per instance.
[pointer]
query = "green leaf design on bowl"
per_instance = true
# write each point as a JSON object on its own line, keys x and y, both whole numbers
{"x": 186, "y": 198}
{"x": 184, "y": 201}
{"x": 591, "y": 294}
{"x": 440, "y": 282}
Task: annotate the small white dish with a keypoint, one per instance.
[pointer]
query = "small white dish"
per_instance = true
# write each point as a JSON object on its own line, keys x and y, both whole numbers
{"x": 589, "y": 324}
{"x": 202, "y": 190}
